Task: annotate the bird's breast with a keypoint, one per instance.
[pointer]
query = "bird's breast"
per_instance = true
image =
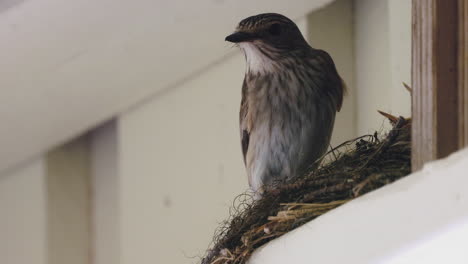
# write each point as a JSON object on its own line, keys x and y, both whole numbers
{"x": 278, "y": 98}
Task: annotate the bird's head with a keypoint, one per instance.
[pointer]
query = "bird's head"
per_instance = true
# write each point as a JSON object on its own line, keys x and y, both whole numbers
{"x": 270, "y": 29}
{"x": 265, "y": 38}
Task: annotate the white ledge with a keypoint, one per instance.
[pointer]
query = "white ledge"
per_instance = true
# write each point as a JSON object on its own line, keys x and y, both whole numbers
{"x": 422, "y": 218}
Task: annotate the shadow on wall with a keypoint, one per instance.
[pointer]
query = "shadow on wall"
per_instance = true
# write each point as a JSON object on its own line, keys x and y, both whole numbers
{"x": 7, "y": 4}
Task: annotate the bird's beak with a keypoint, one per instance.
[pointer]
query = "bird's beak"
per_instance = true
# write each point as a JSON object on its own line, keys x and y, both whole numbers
{"x": 239, "y": 36}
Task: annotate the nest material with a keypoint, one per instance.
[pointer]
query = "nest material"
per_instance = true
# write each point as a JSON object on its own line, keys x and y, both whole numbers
{"x": 356, "y": 167}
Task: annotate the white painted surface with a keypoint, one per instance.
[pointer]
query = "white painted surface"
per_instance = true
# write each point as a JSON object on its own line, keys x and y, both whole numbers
{"x": 105, "y": 195}
{"x": 390, "y": 225}
{"x": 400, "y": 55}
{"x": 181, "y": 166}
{"x": 445, "y": 246}
{"x": 23, "y": 205}
{"x": 373, "y": 78}
{"x": 382, "y": 47}
{"x": 68, "y": 66}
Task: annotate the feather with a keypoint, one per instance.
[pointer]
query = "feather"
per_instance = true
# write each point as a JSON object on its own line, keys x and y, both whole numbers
{"x": 244, "y": 133}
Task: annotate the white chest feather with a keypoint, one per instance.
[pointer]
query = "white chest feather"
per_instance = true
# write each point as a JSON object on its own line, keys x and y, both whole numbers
{"x": 257, "y": 62}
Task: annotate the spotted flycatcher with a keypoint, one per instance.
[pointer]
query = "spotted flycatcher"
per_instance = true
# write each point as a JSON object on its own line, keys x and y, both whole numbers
{"x": 290, "y": 95}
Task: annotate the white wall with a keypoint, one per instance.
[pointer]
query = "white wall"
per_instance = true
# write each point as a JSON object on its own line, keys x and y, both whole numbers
{"x": 373, "y": 79}
{"x": 181, "y": 166}
{"x": 23, "y": 204}
{"x": 400, "y": 55}
{"x": 45, "y": 208}
{"x": 383, "y": 61}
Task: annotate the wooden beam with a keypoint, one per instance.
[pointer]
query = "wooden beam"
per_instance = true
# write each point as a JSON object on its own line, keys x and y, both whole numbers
{"x": 463, "y": 71}
{"x": 435, "y": 104}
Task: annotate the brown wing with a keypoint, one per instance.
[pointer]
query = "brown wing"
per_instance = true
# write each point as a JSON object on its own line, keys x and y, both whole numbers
{"x": 336, "y": 85}
{"x": 244, "y": 133}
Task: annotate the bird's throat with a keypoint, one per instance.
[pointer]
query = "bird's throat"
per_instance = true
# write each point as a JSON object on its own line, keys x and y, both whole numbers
{"x": 257, "y": 61}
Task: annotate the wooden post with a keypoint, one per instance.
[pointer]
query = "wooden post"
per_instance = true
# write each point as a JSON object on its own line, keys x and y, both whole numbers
{"x": 463, "y": 71}
{"x": 438, "y": 79}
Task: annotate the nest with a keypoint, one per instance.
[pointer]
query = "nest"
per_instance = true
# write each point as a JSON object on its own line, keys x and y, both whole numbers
{"x": 354, "y": 168}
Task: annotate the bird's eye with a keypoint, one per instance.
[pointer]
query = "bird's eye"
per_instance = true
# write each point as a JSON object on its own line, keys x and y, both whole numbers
{"x": 274, "y": 29}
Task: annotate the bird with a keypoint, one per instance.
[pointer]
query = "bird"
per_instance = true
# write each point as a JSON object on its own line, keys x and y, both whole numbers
{"x": 290, "y": 95}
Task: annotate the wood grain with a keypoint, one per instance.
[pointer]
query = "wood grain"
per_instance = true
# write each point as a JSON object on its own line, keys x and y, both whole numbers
{"x": 463, "y": 71}
{"x": 435, "y": 101}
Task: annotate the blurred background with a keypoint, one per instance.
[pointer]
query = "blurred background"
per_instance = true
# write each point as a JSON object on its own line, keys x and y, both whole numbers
{"x": 119, "y": 136}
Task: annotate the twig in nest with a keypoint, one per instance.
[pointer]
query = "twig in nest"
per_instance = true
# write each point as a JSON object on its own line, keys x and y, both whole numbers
{"x": 347, "y": 142}
{"x": 390, "y": 139}
{"x": 333, "y": 152}
{"x": 357, "y": 189}
{"x": 225, "y": 255}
